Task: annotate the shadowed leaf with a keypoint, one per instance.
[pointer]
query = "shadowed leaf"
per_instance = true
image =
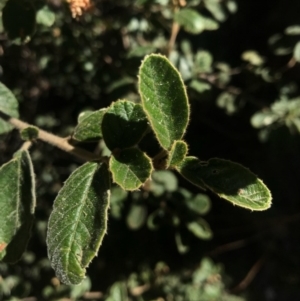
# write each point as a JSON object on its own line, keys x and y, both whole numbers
{"x": 124, "y": 124}
{"x": 131, "y": 168}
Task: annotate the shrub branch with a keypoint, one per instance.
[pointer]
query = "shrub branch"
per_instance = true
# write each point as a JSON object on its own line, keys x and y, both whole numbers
{"x": 54, "y": 140}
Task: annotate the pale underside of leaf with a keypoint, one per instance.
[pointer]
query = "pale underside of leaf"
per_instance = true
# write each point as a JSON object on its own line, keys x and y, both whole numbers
{"x": 78, "y": 221}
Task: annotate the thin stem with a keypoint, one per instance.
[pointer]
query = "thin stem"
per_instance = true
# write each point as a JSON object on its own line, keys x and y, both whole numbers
{"x": 26, "y": 145}
{"x": 175, "y": 26}
{"x": 54, "y": 140}
{"x": 174, "y": 33}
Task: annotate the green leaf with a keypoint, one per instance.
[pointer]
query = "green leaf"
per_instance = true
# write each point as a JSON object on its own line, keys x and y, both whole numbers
{"x": 18, "y": 18}
{"x": 253, "y": 57}
{"x": 2, "y": 4}
{"x": 17, "y": 205}
{"x": 89, "y": 127}
{"x": 164, "y": 99}
{"x": 226, "y": 100}
{"x": 45, "y": 16}
{"x": 118, "y": 197}
{"x": 231, "y": 6}
{"x": 141, "y": 51}
{"x": 181, "y": 247}
{"x": 131, "y": 168}
{"x": 210, "y": 24}
{"x": 203, "y": 62}
{"x": 163, "y": 181}
{"x": 78, "y": 221}
{"x": 200, "y": 86}
{"x": 8, "y": 105}
{"x": 200, "y": 228}
{"x": 297, "y": 52}
{"x": 191, "y": 20}
{"x": 200, "y": 203}
{"x": 118, "y": 292}
{"x": 229, "y": 180}
{"x": 30, "y": 133}
{"x": 124, "y": 124}
{"x": 136, "y": 216}
{"x": 262, "y": 119}
{"x": 292, "y": 30}
{"x": 177, "y": 153}
{"x": 216, "y": 9}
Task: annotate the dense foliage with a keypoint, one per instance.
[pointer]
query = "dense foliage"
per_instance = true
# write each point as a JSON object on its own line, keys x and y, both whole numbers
{"x": 239, "y": 62}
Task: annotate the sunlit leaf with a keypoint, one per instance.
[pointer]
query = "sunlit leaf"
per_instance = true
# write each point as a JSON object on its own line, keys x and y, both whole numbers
{"x": 45, "y": 16}
{"x": 253, "y": 57}
{"x": 163, "y": 181}
{"x": 203, "y": 62}
{"x": 182, "y": 248}
{"x": 226, "y": 100}
{"x": 131, "y": 168}
{"x": 17, "y": 205}
{"x": 297, "y": 52}
{"x": 232, "y": 6}
{"x": 136, "y": 216}
{"x": 210, "y": 24}
{"x": 229, "y": 180}
{"x": 78, "y": 221}
{"x": 262, "y": 119}
{"x": 89, "y": 127}
{"x": 164, "y": 99}
{"x": 292, "y": 30}
{"x": 200, "y": 86}
{"x": 141, "y": 51}
{"x": 177, "y": 153}
{"x": 117, "y": 292}
{"x": 124, "y": 124}
{"x": 216, "y": 9}
{"x": 8, "y": 105}
{"x": 200, "y": 228}
{"x": 118, "y": 197}
{"x": 199, "y": 204}
{"x": 191, "y": 20}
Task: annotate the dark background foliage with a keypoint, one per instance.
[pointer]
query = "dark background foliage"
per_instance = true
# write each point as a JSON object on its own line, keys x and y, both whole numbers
{"x": 90, "y": 62}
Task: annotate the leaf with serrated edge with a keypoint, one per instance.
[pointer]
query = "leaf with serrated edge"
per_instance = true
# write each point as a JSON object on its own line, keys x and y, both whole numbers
{"x": 8, "y": 105}
{"x": 17, "y": 205}
{"x": 78, "y": 221}
{"x": 123, "y": 125}
{"x": 89, "y": 127}
{"x": 131, "y": 169}
{"x": 229, "y": 180}
{"x": 177, "y": 153}
{"x": 164, "y": 99}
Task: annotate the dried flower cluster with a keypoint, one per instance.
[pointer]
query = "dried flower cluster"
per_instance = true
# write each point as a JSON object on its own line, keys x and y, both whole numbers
{"x": 78, "y": 7}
